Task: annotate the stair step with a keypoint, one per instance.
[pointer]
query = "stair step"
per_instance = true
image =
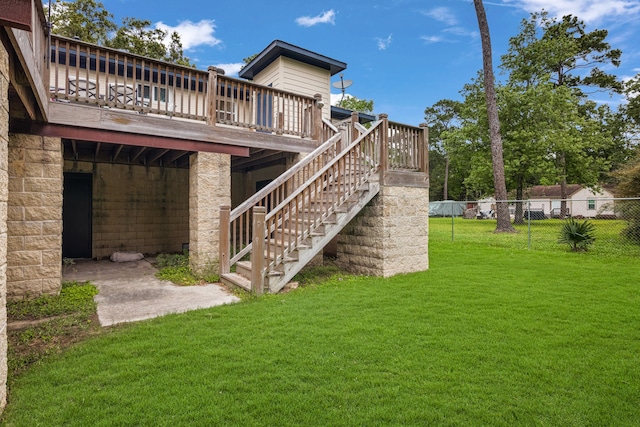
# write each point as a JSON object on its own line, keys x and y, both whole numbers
{"x": 243, "y": 268}
{"x": 236, "y": 280}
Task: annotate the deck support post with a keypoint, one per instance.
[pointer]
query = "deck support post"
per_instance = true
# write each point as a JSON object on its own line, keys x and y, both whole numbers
{"x": 424, "y": 148}
{"x": 257, "y": 251}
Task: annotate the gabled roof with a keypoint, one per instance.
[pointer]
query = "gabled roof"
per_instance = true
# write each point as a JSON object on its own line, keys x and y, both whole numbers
{"x": 279, "y": 48}
{"x": 553, "y": 191}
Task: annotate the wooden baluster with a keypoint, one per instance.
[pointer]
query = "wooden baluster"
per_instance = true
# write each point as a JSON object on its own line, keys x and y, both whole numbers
{"x": 317, "y": 118}
{"x": 224, "y": 239}
{"x": 384, "y": 146}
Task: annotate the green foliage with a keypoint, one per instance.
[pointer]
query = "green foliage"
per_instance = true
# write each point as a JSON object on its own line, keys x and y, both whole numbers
{"x": 578, "y": 235}
{"x": 86, "y": 19}
{"x": 355, "y": 104}
{"x": 91, "y": 22}
{"x": 74, "y": 297}
{"x": 629, "y": 186}
{"x": 53, "y": 323}
{"x": 176, "y": 269}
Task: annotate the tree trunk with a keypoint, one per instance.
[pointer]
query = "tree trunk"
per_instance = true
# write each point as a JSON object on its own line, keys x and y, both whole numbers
{"x": 445, "y": 189}
{"x": 502, "y": 207}
{"x": 519, "y": 214}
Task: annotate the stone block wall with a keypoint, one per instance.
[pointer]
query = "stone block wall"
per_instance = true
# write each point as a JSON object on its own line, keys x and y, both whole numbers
{"x": 389, "y": 236}
{"x": 136, "y": 208}
{"x": 4, "y": 195}
{"x": 34, "y": 219}
{"x": 209, "y": 188}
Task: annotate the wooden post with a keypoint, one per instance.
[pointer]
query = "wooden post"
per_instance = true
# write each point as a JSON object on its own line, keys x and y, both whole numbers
{"x": 424, "y": 148}
{"x": 384, "y": 146}
{"x": 212, "y": 90}
{"x": 355, "y": 118}
{"x": 280, "y": 129}
{"x": 317, "y": 119}
{"x": 223, "y": 258}
{"x": 257, "y": 251}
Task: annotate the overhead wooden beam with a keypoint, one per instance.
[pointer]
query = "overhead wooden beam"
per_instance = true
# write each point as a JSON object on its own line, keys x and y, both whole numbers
{"x": 250, "y": 160}
{"x": 75, "y": 147}
{"x": 137, "y": 153}
{"x": 97, "y": 150}
{"x": 98, "y": 135}
{"x": 175, "y": 156}
{"x": 157, "y": 155}
{"x": 117, "y": 152}
{"x": 16, "y": 14}
{"x": 21, "y": 85}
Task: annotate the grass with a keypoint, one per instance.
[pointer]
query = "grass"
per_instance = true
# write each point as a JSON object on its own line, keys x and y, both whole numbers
{"x": 488, "y": 336}
{"x": 49, "y": 324}
{"x": 176, "y": 269}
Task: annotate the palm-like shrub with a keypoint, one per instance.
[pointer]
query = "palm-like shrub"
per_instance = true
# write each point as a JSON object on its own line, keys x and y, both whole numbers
{"x": 578, "y": 235}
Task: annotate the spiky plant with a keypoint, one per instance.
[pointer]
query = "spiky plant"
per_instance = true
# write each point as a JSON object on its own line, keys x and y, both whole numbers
{"x": 578, "y": 235}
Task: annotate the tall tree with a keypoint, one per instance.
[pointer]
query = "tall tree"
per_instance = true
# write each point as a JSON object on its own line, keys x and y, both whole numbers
{"x": 87, "y": 20}
{"x": 503, "y": 223}
{"x": 442, "y": 117}
{"x": 563, "y": 52}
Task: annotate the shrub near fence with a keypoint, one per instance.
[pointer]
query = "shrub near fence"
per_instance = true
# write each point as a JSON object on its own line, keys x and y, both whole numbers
{"x": 616, "y": 222}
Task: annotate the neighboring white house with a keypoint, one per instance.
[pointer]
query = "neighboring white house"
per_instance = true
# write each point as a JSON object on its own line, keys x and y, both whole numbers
{"x": 581, "y": 201}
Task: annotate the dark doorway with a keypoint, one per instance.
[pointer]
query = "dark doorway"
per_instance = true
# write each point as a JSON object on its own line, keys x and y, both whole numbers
{"x": 76, "y": 215}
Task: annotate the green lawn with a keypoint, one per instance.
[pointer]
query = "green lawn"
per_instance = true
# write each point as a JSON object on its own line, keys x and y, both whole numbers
{"x": 488, "y": 336}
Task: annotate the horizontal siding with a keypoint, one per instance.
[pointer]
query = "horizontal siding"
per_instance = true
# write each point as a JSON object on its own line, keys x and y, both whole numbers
{"x": 307, "y": 80}
{"x": 271, "y": 75}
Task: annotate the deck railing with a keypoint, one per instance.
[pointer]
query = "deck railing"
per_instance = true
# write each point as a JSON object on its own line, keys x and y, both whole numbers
{"x": 94, "y": 75}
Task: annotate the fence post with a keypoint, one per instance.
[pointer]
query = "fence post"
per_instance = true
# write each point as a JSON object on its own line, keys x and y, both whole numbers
{"x": 212, "y": 90}
{"x": 529, "y": 225}
{"x": 257, "y": 251}
{"x": 223, "y": 257}
{"x": 355, "y": 118}
{"x": 384, "y": 146}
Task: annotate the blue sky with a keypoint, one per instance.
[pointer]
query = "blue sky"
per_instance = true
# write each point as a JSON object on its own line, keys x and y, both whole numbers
{"x": 404, "y": 54}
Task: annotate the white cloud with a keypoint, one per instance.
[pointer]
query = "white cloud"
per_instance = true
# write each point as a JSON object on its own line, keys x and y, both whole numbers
{"x": 337, "y": 97}
{"x": 193, "y": 34}
{"x": 586, "y": 10}
{"x": 460, "y": 31}
{"x": 432, "y": 39}
{"x": 231, "y": 69}
{"x": 327, "y": 17}
{"x": 384, "y": 43}
{"x": 442, "y": 14}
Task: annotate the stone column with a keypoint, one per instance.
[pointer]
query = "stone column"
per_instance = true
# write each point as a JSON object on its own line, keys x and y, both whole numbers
{"x": 4, "y": 190}
{"x": 209, "y": 188}
{"x": 389, "y": 236}
{"x": 34, "y": 222}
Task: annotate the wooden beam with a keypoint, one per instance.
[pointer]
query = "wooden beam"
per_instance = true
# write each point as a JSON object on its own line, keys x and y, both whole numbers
{"x": 75, "y": 147}
{"x": 16, "y": 14}
{"x": 20, "y": 84}
{"x": 78, "y": 115}
{"x": 253, "y": 160}
{"x": 175, "y": 156}
{"x": 117, "y": 152}
{"x": 97, "y": 135}
{"x": 95, "y": 155}
{"x": 137, "y": 153}
{"x": 156, "y": 156}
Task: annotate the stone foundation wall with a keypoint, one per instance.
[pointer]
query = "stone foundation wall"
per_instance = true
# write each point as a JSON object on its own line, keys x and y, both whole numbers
{"x": 137, "y": 208}
{"x": 4, "y": 195}
{"x": 34, "y": 221}
{"x": 209, "y": 188}
{"x": 389, "y": 236}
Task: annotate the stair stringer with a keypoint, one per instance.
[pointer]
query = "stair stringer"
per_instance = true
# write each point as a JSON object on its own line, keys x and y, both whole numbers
{"x": 331, "y": 230}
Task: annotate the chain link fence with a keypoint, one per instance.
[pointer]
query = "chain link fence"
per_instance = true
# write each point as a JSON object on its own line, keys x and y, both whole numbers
{"x": 538, "y": 223}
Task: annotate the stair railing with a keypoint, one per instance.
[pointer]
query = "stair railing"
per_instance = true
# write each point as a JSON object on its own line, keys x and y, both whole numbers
{"x": 287, "y": 225}
{"x": 235, "y": 225}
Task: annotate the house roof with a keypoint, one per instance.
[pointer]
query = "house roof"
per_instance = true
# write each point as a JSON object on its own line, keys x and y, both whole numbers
{"x": 553, "y": 191}
{"x": 279, "y": 48}
{"x": 339, "y": 113}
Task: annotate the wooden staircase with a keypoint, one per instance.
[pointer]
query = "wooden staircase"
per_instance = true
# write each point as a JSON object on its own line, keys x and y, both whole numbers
{"x": 310, "y": 204}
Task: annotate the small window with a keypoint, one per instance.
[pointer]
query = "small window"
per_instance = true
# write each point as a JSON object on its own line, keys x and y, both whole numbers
{"x": 591, "y": 205}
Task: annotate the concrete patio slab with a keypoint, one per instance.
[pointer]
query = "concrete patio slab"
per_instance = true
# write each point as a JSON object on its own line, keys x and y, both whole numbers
{"x": 129, "y": 291}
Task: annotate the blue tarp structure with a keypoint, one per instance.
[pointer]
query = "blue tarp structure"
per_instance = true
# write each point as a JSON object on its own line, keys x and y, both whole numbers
{"x": 447, "y": 208}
